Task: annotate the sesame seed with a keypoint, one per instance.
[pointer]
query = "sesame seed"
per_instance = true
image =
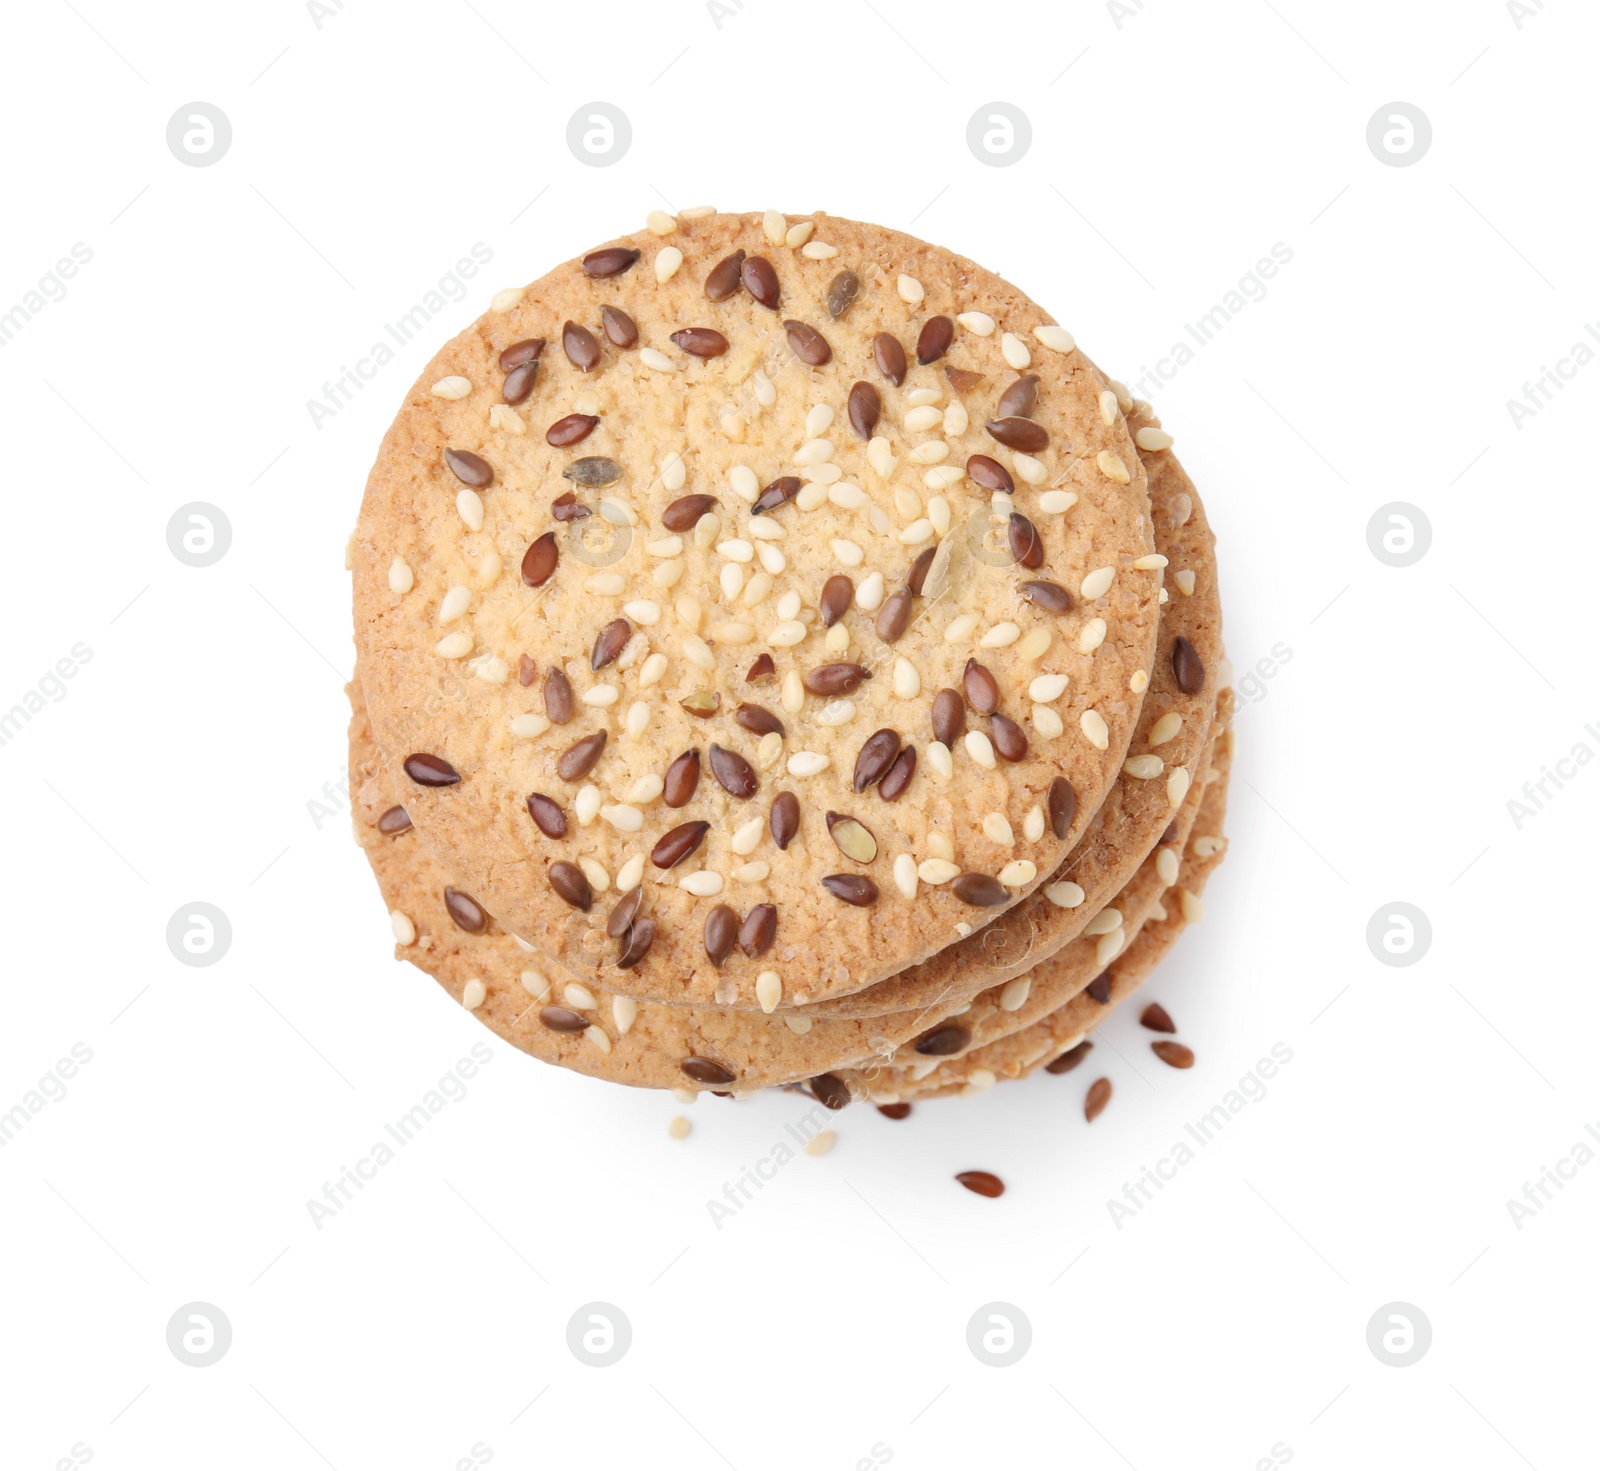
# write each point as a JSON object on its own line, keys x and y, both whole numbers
{"x": 765, "y": 528}
{"x": 799, "y": 1025}
{"x": 1207, "y": 846}
{"x": 1047, "y": 687}
{"x": 814, "y": 452}
{"x": 923, "y": 418}
{"x": 808, "y": 763}
{"x": 1058, "y": 501}
{"x": 489, "y": 566}
{"x": 673, "y": 471}
{"x": 698, "y": 652}
{"x": 981, "y": 749}
{"x": 910, "y": 290}
{"x": 937, "y": 871}
{"x": 630, "y": 873}
{"x": 869, "y": 595}
{"x": 997, "y": 829}
{"x": 769, "y": 991}
{"x": 819, "y": 1144}
{"x": 1033, "y": 823}
{"x": 1192, "y": 909}
{"x": 697, "y": 212}
{"x": 597, "y": 1036}
{"x": 652, "y": 358}
{"x": 960, "y": 628}
{"x": 587, "y": 804}
{"x": 918, "y": 532}
{"x": 1047, "y": 722}
{"x": 1108, "y": 407}
{"x": 1014, "y": 350}
{"x": 454, "y": 604}
{"x": 1093, "y": 725}
{"x": 1179, "y": 509}
{"x": 812, "y": 495}
{"x": 1057, "y": 339}
{"x": 1065, "y": 894}
{"x": 642, "y": 611}
{"x": 1165, "y": 728}
{"x": 1144, "y": 768}
{"x": 668, "y": 259}
{"x": 907, "y": 682}
{"x": 1154, "y": 562}
{"x": 1177, "y": 786}
{"x": 652, "y": 670}
{"x": 702, "y": 885}
{"x": 929, "y": 452}
{"x": 980, "y": 324}
{"x": 1015, "y": 992}
{"x": 818, "y": 250}
{"x": 679, "y": 1127}
{"x": 731, "y": 580}
{"x": 579, "y": 998}
{"x": 405, "y": 933}
{"x": 659, "y": 222}
{"x": 905, "y": 875}
{"x": 787, "y": 634}
{"x": 506, "y": 419}
{"x": 1167, "y": 866}
{"x": 747, "y": 837}
{"x": 772, "y": 560}
{"x": 847, "y": 552}
{"x": 1032, "y": 645}
{"x": 1110, "y": 947}
{"x": 793, "y": 696}
{"x": 1092, "y": 635}
{"x": 775, "y": 226}
{"x": 880, "y": 457}
{"x": 1001, "y": 636}
{"x": 918, "y": 397}
{"x": 766, "y": 394}
{"x": 797, "y": 235}
{"x": 756, "y": 589}
{"x": 645, "y": 789}
{"x": 1153, "y": 439}
{"x": 454, "y": 386}
{"x": 1018, "y": 873}
{"x": 1139, "y": 681}
{"x": 535, "y": 984}
{"x": 601, "y": 695}
{"x": 1112, "y": 466}
{"x": 526, "y": 727}
{"x": 736, "y": 550}
{"x": 453, "y": 645}
{"x": 505, "y": 299}
{"x": 940, "y": 845}
{"x": 940, "y": 762}
{"x": 474, "y": 994}
{"x": 1097, "y": 584}
{"x": 835, "y": 712}
{"x": 939, "y": 514}
{"x": 1185, "y": 581}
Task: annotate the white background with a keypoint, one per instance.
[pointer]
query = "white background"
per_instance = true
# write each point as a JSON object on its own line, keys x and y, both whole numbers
{"x": 1229, "y": 1315}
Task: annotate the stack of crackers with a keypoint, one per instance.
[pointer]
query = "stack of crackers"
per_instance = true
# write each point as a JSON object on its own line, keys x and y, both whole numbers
{"x": 784, "y": 659}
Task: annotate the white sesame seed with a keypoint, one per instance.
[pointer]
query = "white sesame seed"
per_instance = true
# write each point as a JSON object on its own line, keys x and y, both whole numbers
{"x": 702, "y": 885}
{"x": 940, "y": 845}
{"x": 1153, "y": 562}
{"x": 918, "y": 532}
{"x": 814, "y": 452}
{"x": 923, "y": 418}
{"x": 489, "y": 566}
{"x": 1165, "y": 728}
{"x": 923, "y": 1066}
{"x": 697, "y": 212}
{"x": 907, "y": 682}
{"x": 527, "y": 727}
{"x": 659, "y": 222}
{"x": 789, "y": 605}
{"x": 980, "y": 324}
{"x": 1014, "y": 350}
{"x": 490, "y": 668}
{"x": 1167, "y": 866}
{"x": 1177, "y": 786}
{"x": 400, "y": 926}
{"x": 820, "y": 1143}
{"x": 1058, "y": 339}
{"x": 579, "y": 998}
{"x": 453, "y": 645}
{"x": 1001, "y": 636}
{"x": 454, "y": 386}
{"x": 1192, "y": 909}
{"x": 939, "y": 514}
{"x": 1185, "y": 581}
{"x": 598, "y": 1037}
{"x": 818, "y": 418}
{"x": 1065, "y": 894}
{"x": 1058, "y": 501}
{"x": 905, "y": 875}
{"x": 601, "y": 694}
{"x": 1144, "y": 768}
{"x": 744, "y": 483}
{"x": 1108, "y": 407}
{"x": 454, "y": 604}
{"x": 731, "y": 579}
{"x": 587, "y": 803}
{"x": 836, "y": 712}
{"x": 1047, "y": 687}
{"x": 766, "y": 393}
{"x": 1047, "y": 722}
{"x": 881, "y": 457}
{"x": 1031, "y": 647}
{"x": 756, "y": 589}
{"x": 918, "y": 397}
{"x": 400, "y": 578}
{"x": 630, "y": 873}
{"x": 808, "y": 763}
{"x": 474, "y": 994}
{"x": 956, "y": 420}
{"x": 799, "y": 1025}
{"x": 1093, "y": 725}
{"x": 960, "y": 628}
{"x": 837, "y": 639}
{"x": 1033, "y": 823}
{"x": 768, "y": 749}
{"x": 997, "y": 829}
{"x": 929, "y": 452}
{"x": 1018, "y": 873}
{"x": 1153, "y": 439}
{"x": 1091, "y": 635}
{"x": 940, "y": 762}
{"x": 747, "y": 837}
{"x": 793, "y": 693}
{"x": 618, "y": 513}
{"x": 787, "y": 634}
{"x": 877, "y": 520}
{"x": 1207, "y": 846}
{"x": 668, "y": 259}
{"x": 819, "y": 250}
{"x": 505, "y": 299}
{"x": 1112, "y": 466}
{"x": 673, "y": 470}
{"x": 1015, "y": 992}
{"x": 698, "y": 652}
{"x": 812, "y": 495}
{"x": 534, "y": 982}
{"x": 1110, "y": 947}
{"x": 652, "y": 670}
{"x": 980, "y": 748}
{"x": 645, "y": 789}
{"x": 1179, "y": 509}
{"x": 937, "y": 871}
{"x": 765, "y": 528}
{"x": 910, "y": 289}
{"x": 769, "y": 991}
{"x": 652, "y": 358}
{"x": 943, "y": 477}
{"x": 1030, "y": 470}
{"x": 1139, "y": 681}
{"x": 775, "y": 226}
{"x": 736, "y": 550}
{"x": 1097, "y": 584}
{"x": 772, "y": 560}
{"x": 847, "y": 552}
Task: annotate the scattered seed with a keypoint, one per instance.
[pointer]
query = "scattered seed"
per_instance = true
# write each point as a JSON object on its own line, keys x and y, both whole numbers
{"x": 779, "y": 493}
{"x": 990, "y": 474}
{"x": 1017, "y": 433}
{"x": 468, "y": 468}
{"x": 784, "y": 820}
{"x": 560, "y": 1019}
{"x": 1007, "y": 737}
{"x": 430, "y": 771}
{"x": 720, "y": 934}
{"x": 636, "y": 943}
{"x": 613, "y": 260}
{"x": 578, "y": 760}
{"x": 835, "y": 679}
{"x": 944, "y": 1040}
{"x": 595, "y": 472}
{"x": 1098, "y": 1097}
{"x": 678, "y": 843}
{"x": 894, "y": 617}
{"x": 842, "y": 290}
{"x": 760, "y": 280}
{"x": 686, "y": 511}
{"x": 1156, "y": 1019}
{"x": 572, "y": 884}
{"x": 580, "y": 346}
{"x": 1069, "y": 1059}
{"x": 890, "y": 357}
{"x": 762, "y": 669}
{"x": 1023, "y": 537}
{"x": 898, "y": 777}
{"x": 723, "y": 278}
{"x": 1187, "y": 667}
{"x": 609, "y": 643}
{"x": 701, "y": 342}
{"x": 982, "y": 691}
{"x": 981, "y": 1182}
{"x": 734, "y": 774}
{"x": 934, "y": 339}
{"x": 547, "y": 815}
{"x": 807, "y": 344}
{"x": 950, "y": 716}
{"x": 558, "y": 697}
{"x": 981, "y": 890}
{"x": 1018, "y": 401}
{"x": 1050, "y": 596}
{"x": 877, "y": 755}
{"x": 852, "y": 838}
{"x": 703, "y": 1070}
{"x": 831, "y": 1092}
{"x": 394, "y": 821}
{"x": 567, "y": 507}
{"x": 853, "y": 888}
{"x": 620, "y": 329}
{"x": 520, "y": 354}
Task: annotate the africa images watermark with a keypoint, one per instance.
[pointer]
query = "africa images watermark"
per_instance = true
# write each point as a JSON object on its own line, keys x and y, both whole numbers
{"x": 1538, "y": 793}
{"x": 1251, "y": 1088}
{"x": 737, "y": 1193}
{"x": 1538, "y": 1193}
{"x": 450, "y": 288}
{"x": 1204, "y": 330}
{"x": 51, "y": 1088}
{"x": 52, "y": 286}
{"x": 1539, "y": 393}
{"x": 51, "y": 688}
